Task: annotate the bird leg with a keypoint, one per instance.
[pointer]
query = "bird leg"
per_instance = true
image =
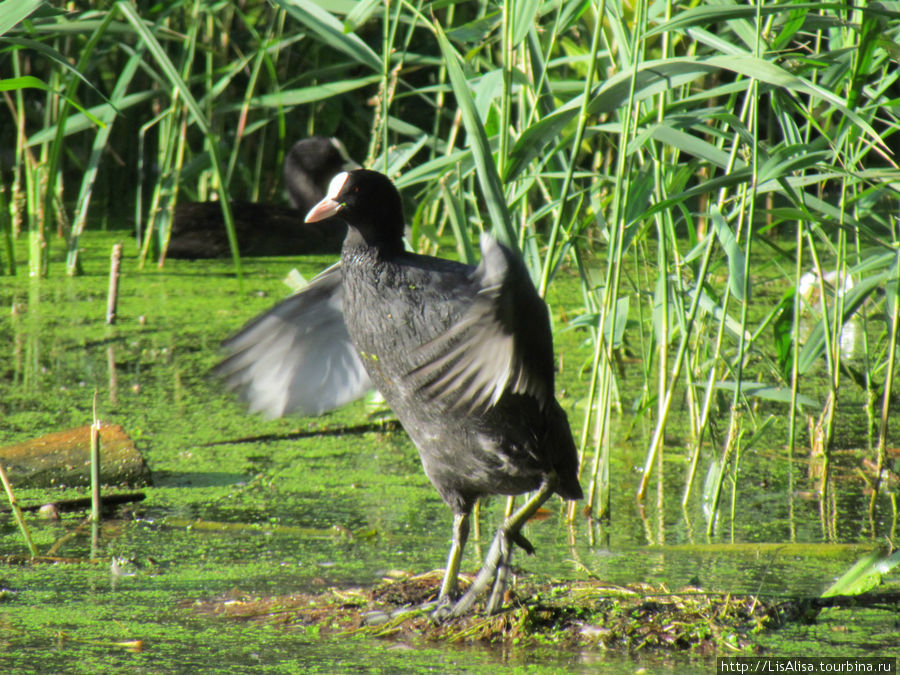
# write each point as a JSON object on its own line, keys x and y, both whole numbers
{"x": 496, "y": 564}
{"x": 498, "y": 589}
{"x": 451, "y": 576}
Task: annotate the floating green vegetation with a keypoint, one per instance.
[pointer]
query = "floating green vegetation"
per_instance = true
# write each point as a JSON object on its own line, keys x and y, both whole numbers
{"x": 247, "y": 508}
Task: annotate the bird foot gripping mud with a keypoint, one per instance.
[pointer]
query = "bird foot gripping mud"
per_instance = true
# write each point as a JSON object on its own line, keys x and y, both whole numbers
{"x": 495, "y": 570}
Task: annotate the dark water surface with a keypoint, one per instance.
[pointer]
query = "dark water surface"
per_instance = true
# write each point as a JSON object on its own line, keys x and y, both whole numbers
{"x": 288, "y": 509}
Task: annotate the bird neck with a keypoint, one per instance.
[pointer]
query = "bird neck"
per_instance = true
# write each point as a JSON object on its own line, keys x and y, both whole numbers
{"x": 380, "y": 242}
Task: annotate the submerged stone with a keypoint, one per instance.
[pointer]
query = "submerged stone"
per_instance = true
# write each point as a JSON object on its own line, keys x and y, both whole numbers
{"x": 63, "y": 458}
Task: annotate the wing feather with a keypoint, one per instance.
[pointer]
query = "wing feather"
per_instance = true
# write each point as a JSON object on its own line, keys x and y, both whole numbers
{"x": 501, "y": 344}
{"x": 297, "y": 357}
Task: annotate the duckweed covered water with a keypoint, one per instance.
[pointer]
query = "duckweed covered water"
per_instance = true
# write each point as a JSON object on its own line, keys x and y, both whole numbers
{"x": 244, "y": 505}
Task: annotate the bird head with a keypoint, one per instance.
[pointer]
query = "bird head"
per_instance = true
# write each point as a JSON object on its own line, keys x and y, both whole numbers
{"x": 368, "y": 202}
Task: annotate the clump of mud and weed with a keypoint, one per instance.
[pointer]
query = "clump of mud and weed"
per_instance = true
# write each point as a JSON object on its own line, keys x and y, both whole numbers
{"x": 583, "y": 614}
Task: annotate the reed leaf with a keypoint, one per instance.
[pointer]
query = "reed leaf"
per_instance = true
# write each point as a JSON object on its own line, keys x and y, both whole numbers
{"x": 488, "y": 178}
{"x": 331, "y": 32}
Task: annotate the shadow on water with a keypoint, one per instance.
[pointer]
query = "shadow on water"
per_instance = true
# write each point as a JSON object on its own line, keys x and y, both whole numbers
{"x": 245, "y": 505}
{"x": 197, "y": 478}
{"x": 377, "y": 427}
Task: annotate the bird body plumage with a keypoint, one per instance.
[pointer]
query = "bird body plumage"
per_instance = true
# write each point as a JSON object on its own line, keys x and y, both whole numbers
{"x": 395, "y": 309}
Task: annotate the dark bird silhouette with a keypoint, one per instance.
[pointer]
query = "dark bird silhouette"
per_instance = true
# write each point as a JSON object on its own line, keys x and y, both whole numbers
{"x": 463, "y": 355}
{"x": 198, "y": 229}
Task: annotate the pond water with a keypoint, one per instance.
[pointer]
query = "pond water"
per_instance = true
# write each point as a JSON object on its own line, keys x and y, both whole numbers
{"x": 241, "y": 505}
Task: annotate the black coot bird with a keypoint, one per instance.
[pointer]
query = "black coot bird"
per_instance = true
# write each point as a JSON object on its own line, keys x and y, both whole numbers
{"x": 462, "y": 354}
{"x": 198, "y": 230}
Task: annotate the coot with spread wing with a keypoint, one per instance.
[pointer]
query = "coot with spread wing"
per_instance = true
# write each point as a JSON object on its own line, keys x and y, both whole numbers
{"x": 463, "y": 355}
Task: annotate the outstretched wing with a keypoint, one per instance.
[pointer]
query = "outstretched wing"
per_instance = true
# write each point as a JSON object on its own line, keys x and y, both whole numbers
{"x": 297, "y": 357}
{"x": 501, "y": 344}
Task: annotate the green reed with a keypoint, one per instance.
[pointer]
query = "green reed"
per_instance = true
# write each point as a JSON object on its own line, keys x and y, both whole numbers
{"x": 681, "y": 160}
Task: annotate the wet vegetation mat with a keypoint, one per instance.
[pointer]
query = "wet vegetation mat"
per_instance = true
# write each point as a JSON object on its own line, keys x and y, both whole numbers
{"x": 628, "y": 618}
